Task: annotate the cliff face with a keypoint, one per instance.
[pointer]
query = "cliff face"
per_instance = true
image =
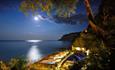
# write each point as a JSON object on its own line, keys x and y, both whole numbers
{"x": 70, "y": 37}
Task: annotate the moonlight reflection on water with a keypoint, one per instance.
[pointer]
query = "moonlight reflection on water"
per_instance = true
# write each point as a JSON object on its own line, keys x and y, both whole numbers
{"x": 34, "y": 52}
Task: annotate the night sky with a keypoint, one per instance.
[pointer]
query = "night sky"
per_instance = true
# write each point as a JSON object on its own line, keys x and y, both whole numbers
{"x": 14, "y": 25}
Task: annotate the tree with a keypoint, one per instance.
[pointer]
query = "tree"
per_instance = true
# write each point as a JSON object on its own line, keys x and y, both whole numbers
{"x": 106, "y": 19}
{"x": 62, "y": 7}
{"x": 65, "y": 9}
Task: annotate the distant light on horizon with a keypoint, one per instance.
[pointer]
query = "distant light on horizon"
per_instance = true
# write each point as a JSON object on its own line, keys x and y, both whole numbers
{"x": 33, "y": 41}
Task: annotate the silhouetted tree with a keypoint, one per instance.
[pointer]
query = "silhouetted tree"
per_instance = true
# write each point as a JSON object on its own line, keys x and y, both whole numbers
{"x": 98, "y": 31}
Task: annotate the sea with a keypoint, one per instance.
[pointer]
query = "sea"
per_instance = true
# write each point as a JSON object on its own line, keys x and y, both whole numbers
{"x": 31, "y": 50}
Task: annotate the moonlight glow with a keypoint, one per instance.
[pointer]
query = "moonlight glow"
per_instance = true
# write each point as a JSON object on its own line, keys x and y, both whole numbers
{"x": 33, "y": 54}
{"x": 38, "y": 17}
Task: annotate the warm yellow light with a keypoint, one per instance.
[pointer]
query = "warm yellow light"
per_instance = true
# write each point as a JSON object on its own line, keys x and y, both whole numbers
{"x": 78, "y": 48}
{"x": 83, "y": 49}
{"x": 87, "y": 52}
{"x": 58, "y": 60}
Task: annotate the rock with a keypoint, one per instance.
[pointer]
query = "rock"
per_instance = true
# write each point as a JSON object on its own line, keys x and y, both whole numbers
{"x": 70, "y": 37}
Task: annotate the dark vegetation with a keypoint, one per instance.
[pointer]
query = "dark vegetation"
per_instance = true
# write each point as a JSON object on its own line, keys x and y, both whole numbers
{"x": 70, "y": 37}
{"x": 98, "y": 37}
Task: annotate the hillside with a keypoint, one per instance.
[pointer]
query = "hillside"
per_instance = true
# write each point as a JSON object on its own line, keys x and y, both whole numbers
{"x": 70, "y": 37}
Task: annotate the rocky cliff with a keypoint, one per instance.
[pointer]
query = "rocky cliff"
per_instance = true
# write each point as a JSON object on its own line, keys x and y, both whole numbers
{"x": 70, "y": 37}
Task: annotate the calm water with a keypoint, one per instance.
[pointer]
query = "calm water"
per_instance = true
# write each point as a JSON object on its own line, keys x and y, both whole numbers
{"x": 31, "y": 50}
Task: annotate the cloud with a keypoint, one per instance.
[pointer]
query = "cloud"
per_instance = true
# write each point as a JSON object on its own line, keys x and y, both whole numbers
{"x": 75, "y": 19}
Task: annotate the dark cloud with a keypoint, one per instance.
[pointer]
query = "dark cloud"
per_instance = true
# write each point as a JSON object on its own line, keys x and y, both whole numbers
{"x": 75, "y": 19}
{"x": 81, "y": 17}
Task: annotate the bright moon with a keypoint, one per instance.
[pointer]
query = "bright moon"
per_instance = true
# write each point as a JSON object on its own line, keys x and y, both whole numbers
{"x": 36, "y": 18}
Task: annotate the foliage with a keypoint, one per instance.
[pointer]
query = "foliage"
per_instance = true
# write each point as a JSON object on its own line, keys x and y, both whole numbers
{"x": 14, "y": 64}
{"x": 106, "y": 19}
{"x": 98, "y": 59}
{"x": 3, "y": 66}
{"x": 62, "y": 7}
{"x": 87, "y": 39}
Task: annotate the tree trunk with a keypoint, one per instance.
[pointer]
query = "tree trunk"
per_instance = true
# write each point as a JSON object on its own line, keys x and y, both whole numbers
{"x": 99, "y": 31}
